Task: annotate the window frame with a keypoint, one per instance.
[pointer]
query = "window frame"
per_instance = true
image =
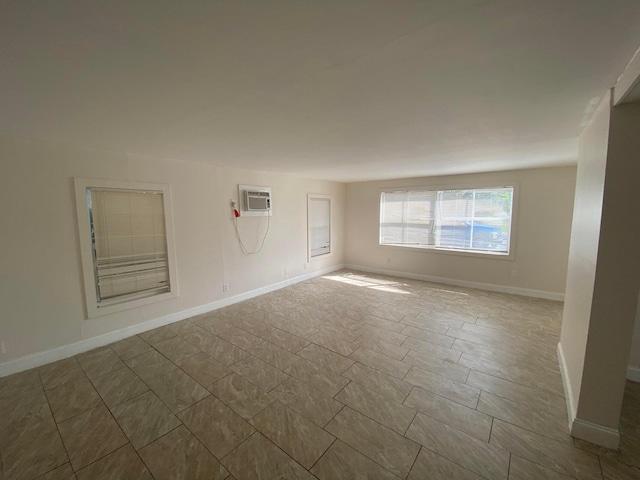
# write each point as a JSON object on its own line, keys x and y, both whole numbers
{"x": 310, "y": 198}
{"x": 94, "y": 308}
{"x": 511, "y": 255}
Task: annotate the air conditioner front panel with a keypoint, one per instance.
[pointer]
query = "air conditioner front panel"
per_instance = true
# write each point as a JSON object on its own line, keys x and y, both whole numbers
{"x": 258, "y": 202}
{"x": 255, "y": 200}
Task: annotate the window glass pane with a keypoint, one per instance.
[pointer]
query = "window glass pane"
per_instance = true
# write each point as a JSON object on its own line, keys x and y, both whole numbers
{"x": 391, "y": 216}
{"x": 407, "y": 218}
{"x": 492, "y": 219}
{"x": 469, "y": 219}
{"x": 455, "y": 219}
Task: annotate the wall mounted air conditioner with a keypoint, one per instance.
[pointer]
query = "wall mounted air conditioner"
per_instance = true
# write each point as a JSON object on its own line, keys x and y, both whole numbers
{"x": 255, "y": 200}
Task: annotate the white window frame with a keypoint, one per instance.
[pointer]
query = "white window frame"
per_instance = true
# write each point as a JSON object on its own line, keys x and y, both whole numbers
{"x": 511, "y": 255}
{"x": 310, "y": 198}
{"x": 94, "y": 307}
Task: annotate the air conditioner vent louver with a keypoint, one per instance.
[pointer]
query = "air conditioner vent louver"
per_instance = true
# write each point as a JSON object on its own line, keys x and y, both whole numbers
{"x": 258, "y": 201}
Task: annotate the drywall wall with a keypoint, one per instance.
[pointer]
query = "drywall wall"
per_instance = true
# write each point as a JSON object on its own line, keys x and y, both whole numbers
{"x": 604, "y": 273}
{"x": 541, "y": 232}
{"x": 617, "y": 280}
{"x": 40, "y": 279}
{"x": 583, "y": 249}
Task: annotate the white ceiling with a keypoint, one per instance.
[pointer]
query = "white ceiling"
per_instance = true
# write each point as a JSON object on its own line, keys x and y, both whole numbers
{"x": 339, "y": 89}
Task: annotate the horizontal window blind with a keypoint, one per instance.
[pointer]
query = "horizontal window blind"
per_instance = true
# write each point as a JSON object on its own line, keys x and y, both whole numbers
{"x": 407, "y": 218}
{"x": 319, "y": 226}
{"x": 465, "y": 219}
{"x": 129, "y": 243}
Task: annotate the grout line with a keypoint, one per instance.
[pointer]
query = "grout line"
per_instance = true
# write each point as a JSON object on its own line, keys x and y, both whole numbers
{"x": 404, "y": 434}
{"x": 601, "y": 467}
{"x": 339, "y": 391}
{"x": 64, "y": 445}
{"x": 491, "y": 429}
{"x": 335, "y": 439}
{"x": 332, "y": 418}
{"x": 383, "y": 426}
{"x": 408, "y": 394}
{"x": 376, "y": 353}
{"x": 405, "y": 355}
{"x": 567, "y": 443}
{"x": 415, "y": 459}
{"x": 100, "y": 458}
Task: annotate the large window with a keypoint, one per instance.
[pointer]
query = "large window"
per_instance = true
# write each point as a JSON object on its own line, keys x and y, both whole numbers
{"x": 477, "y": 220}
{"x": 126, "y": 250}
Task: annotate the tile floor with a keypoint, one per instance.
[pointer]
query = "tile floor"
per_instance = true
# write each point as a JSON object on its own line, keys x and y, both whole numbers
{"x": 347, "y": 376}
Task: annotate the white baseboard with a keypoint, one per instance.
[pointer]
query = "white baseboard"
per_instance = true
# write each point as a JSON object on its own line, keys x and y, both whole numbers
{"x": 597, "y": 434}
{"x": 37, "y": 359}
{"x": 633, "y": 373}
{"x": 566, "y": 385}
{"x": 583, "y": 429}
{"x": 527, "y": 292}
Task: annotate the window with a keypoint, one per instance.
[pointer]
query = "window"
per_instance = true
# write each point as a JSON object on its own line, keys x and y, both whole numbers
{"x": 475, "y": 220}
{"x": 127, "y": 253}
{"x": 319, "y": 224}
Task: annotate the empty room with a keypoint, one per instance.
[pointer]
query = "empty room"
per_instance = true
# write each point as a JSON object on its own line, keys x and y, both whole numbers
{"x": 285, "y": 239}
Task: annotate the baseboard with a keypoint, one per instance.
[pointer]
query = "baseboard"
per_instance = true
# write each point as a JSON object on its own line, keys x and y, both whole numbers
{"x": 527, "y": 292}
{"x": 633, "y": 374}
{"x": 38, "y": 359}
{"x": 566, "y": 385}
{"x": 596, "y": 434}
{"x": 583, "y": 429}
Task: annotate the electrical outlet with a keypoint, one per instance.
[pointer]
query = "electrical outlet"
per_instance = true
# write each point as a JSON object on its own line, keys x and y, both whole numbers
{"x": 284, "y": 271}
{"x": 225, "y": 287}
{"x": 514, "y": 274}
{"x": 3, "y": 351}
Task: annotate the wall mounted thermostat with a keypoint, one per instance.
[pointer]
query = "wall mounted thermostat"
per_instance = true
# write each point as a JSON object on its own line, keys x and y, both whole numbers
{"x": 255, "y": 200}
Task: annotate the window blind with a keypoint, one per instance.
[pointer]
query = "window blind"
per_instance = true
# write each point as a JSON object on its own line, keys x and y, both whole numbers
{"x": 469, "y": 219}
{"x": 129, "y": 243}
{"x": 407, "y": 218}
{"x": 319, "y": 226}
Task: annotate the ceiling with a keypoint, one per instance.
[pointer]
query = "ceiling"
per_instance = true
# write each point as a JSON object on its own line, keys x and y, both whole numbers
{"x": 343, "y": 90}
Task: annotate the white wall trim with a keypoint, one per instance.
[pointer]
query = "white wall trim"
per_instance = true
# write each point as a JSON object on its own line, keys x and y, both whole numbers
{"x": 597, "y": 434}
{"x": 633, "y": 373}
{"x": 527, "y": 292}
{"x": 583, "y": 429}
{"x": 37, "y": 359}
{"x": 566, "y": 385}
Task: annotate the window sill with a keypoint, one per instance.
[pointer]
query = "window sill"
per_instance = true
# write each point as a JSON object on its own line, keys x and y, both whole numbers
{"x": 317, "y": 258}
{"x": 95, "y": 310}
{"x": 450, "y": 251}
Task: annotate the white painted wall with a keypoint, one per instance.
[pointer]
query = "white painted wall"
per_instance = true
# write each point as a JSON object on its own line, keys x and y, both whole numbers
{"x": 543, "y": 220}
{"x": 604, "y": 273}
{"x": 583, "y": 250}
{"x": 42, "y": 303}
{"x": 617, "y": 282}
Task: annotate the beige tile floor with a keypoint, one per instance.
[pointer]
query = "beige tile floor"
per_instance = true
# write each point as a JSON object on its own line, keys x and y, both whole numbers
{"x": 347, "y": 376}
